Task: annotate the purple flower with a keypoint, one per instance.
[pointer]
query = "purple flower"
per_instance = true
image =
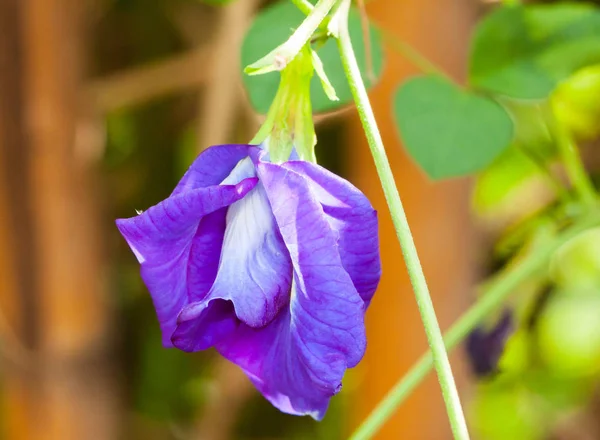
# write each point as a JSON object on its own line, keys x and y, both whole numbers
{"x": 271, "y": 264}
{"x": 485, "y": 347}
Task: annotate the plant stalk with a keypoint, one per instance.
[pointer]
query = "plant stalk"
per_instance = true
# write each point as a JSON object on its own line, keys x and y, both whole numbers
{"x": 411, "y": 258}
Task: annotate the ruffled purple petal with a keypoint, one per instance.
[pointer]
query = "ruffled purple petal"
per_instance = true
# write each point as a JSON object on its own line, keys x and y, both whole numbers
{"x": 254, "y": 277}
{"x": 351, "y": 215}
{"x": 203, "y": 324}
{"x": 299, "y": 359}
{"x": 255, "y": 272}
{"x": 177, "y": 243}
{"x": 212, "y": 166}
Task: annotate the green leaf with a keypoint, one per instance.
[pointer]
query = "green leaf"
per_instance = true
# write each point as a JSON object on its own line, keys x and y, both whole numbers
{"x": 525, "y": 51}
{"x": 507, "y": 185}
{"x": 513, "y": 187}
{"x": 272, "y": 27}
{"x": 447, "y": 131}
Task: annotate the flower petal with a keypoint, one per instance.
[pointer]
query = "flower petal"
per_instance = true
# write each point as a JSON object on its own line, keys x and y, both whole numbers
{"x": 299, "y": 359}
{"x": 254, "y": 276}
{"x": 212, "y": 166}
{"x": 175, "y": 242}
{"x": 255, "y": 271}
{"x": 202, "y": 324}
{"x": 349, "y": 213}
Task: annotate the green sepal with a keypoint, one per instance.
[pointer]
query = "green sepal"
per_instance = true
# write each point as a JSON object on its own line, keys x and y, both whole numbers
{"x": 289, "y": 122}
{"x": 327, "y": 86}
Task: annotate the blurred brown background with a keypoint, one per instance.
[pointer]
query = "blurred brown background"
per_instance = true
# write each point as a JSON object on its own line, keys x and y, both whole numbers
{"x": 103, "y": 104}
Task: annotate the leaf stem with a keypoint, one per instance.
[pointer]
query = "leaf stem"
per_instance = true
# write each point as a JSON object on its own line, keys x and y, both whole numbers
{"x": 411, "y": 258}
{"x": 413, "y": 55}
{"x": 282, "y": 55}
{"x": 305, "y": 6}
{"x": 493, "y": 296}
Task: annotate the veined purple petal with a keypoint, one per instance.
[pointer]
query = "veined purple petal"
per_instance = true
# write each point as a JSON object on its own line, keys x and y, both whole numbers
{"x": 255, "y": 271}
{"x": 253, "y": 281}
{"x": 212, "y": 166}
{"x": 299, "y": 359}
{"x": 176, "y": 241}
{"x": 351, "y": 215}
{"x": 202, "y": 324}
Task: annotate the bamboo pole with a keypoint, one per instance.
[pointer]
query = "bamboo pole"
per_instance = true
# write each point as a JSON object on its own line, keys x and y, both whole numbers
{"x": 65, "y": 390}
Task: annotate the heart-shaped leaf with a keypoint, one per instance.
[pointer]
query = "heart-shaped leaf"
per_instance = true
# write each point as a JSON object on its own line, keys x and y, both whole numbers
{"x": 525, "y": 51}
{"x": 272, "y": 27}
{"x": 449, "y": 132}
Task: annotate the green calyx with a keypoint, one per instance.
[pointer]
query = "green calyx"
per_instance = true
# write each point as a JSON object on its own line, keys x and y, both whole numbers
{"x": 289, "y": 121}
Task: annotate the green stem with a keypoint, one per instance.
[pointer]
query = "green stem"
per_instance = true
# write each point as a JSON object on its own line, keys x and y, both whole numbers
{"x": 411, "y": 258}
{"x": 491, "y": 299}
{"x": 405, "y": 49}
{"x": 573, "y": 164}
{"x": 305, "y": 6}
{"x": 412, "y": 54}
{"x": 282, "y": 55}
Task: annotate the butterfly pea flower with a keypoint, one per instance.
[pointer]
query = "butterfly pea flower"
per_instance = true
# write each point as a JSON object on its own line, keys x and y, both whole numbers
{"x": 272, "y": 264}
{"x": 485, "y": 347}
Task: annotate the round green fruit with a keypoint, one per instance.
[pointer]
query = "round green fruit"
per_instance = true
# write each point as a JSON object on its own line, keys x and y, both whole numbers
{"x": 569, "y": 336}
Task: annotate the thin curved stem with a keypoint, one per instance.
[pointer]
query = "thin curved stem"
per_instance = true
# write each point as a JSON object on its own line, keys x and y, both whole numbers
{"x": 305, "y": 6}
{"x": 402, "y": 47}
{"x": 573, "y": 164}
{"x": 491, "y": 299}
{"x": 411, "y": 258}
{"x": 413, "y": 55}
{"x": 282, "y": 55}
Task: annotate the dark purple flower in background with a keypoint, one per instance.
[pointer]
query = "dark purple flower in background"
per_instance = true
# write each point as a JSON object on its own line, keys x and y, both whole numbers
{"x": 272, "y": 264}
{"x": 485, "y": 347}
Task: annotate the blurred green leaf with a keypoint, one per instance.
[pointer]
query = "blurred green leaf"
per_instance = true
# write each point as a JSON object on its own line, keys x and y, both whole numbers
{"x": 161, "y": 379}
{"x": 525, "y": 51}
{"x": 447, "y": 131}
{"x": 576, "y": 265}
{"x": 532, "y": 133}
{"x": 569, "y": 335}
{"x": 516, "y": 357}
{"x": 501, "y": 412}
{"x": 559, "y": 394}
{"x": 576, "y": 102}
{"x": 500, "y": 181}
{"x": 272, "y": 27}
{"x": 511, "y": 186}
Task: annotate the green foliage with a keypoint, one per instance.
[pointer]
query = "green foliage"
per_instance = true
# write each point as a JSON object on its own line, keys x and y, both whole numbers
{"x": 508, "y": 183}
{"x": 272, "y": 27}
{"x": 577, "y": 102}
{"x": 569, "y": 335}
{"x": 576, "y": 265}
{"x": 501, "y": 412}
{"x": 450, "y": 132}
{"x": 525, "y": 51}
{"x": 501, "y": 185}
{"x": 160, "y": 387}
